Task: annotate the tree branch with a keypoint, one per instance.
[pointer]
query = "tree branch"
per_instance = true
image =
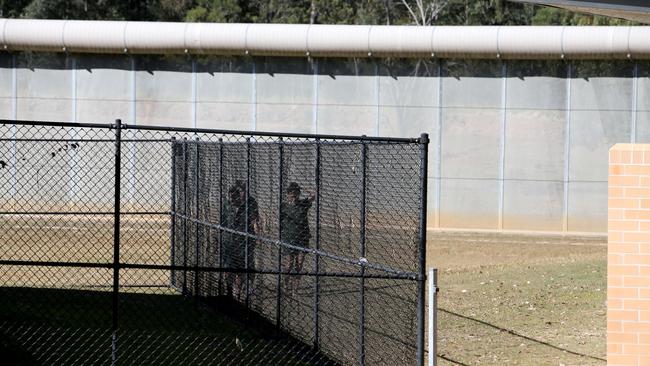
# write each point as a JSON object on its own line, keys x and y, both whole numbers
{"x": 420, "y": 5}
{"x": 408, "y": 7}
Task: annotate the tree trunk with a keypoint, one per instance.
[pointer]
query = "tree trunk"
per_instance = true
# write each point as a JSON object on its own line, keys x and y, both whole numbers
{"x": 388, "y": 13}
{"x": 313, "y": 13}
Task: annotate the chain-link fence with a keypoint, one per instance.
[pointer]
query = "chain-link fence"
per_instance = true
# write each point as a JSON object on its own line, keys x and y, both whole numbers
{"x": 152, "y": 245}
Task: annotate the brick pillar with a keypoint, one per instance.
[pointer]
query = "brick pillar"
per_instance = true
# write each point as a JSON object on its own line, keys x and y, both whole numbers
{"x": 628, "y": 255}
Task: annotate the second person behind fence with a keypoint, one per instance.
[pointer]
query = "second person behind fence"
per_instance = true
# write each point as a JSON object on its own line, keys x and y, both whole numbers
{"x": 295, "y": 232}
{"x": 237, "y": 254}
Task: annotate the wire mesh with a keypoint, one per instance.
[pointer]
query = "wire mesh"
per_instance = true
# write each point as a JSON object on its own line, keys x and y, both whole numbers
{"x": 226, "y": 247}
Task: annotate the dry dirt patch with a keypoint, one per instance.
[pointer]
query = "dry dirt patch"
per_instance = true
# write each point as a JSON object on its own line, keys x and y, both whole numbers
{"x": 520, "y": 299}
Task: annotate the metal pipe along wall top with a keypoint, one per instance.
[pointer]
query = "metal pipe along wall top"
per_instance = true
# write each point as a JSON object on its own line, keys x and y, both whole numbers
{"x": 513, "y": 42}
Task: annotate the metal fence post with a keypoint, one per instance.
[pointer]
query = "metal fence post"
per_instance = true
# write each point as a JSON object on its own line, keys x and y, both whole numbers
{"x": 362, "y": 254}
{"x": 14, "y": 129}
{"x": 197, "y": 217}
{"x": 433, "y": 316}
{"x": 424, "y": 149}
{"x": 247, "y": 222}
{"x": 184, "y": 288}
{"x": 221, "y": 223}
{"x": 317, "y": 246}
{"x": 173, "y": 212}
{"x": 116, "y": 238}
{"x": 278, "y": 301}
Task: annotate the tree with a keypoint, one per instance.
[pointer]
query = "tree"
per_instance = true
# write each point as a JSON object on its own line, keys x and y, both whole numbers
{"x": 170, "y": 10}
{"x": 12, "y": 8}
{"x": 280, "y": 11}
{"x": 554, "y": 16}
{"x": 486, "y": 12}
{"x": 218, "y": 11}
{"x": 424, "y": 12}
{"x": 411, "y": 12}
{"x": 333, "y": 12}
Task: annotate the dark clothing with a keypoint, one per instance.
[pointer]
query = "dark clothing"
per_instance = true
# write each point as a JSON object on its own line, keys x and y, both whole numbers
{"x": 234, "y": 216}
{"x": 295, "y": 223}
{"x": 234, "y": 245}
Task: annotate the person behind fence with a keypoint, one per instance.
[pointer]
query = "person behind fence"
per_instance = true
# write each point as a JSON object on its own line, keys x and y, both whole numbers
{"x": 295, "y": 232}
{"x": 234, "y": 244}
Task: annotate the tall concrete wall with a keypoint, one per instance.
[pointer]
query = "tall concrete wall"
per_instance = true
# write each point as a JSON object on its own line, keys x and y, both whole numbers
{"x": 515, "y": 145}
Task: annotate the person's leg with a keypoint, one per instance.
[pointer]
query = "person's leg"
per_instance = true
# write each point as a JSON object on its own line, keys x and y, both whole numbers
{"x": 251, "y": 266}
{"x": 299, "y": 260}
{"x": 293, "y": 269}
{"x": 287, "y": 259}
{"x": 228, "y": 276}
{"x": 238, "y": 286}
{"x": 229, "y": 284}
{"x": 239, "y": 263}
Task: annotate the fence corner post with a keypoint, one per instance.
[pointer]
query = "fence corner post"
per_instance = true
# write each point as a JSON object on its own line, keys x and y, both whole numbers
{"x": 116, "y": 238}
{"x": 221, "y": 223}
{"x": 197, "y": 177}
{"x": 247, "y": 251}
{"x": 362, "y": 255}
{"x": 317, "y": 239}
{"x": 422, "y": 250}
{"x": 278, "y": 300}
{"x": 173, "y": 213}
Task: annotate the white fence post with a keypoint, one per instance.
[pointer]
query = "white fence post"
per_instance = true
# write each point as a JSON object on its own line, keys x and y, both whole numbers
{"x": 433, "y": 315}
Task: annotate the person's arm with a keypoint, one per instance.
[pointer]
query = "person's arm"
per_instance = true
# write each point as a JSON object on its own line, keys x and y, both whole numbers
{"x": 255, "y": 216}
{"x": 223, "y": 213}
{"x": 306, "y": 202}
{"x": 257, "y": 224}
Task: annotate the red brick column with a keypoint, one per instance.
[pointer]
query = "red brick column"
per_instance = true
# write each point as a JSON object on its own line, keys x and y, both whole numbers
{"x": 628, "y": 255}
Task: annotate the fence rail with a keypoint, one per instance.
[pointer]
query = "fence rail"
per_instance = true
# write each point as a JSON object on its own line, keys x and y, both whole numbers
{"x": 157, "y": 243}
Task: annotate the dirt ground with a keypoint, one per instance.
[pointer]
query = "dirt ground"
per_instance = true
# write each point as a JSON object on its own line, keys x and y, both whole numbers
{"x": 509, "y": 299}
{"x": 505, "y": 299}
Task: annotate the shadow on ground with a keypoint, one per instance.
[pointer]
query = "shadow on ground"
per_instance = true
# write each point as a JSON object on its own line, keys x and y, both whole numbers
{"x": 53, "y": 326}
{"x": 514, "y": 334}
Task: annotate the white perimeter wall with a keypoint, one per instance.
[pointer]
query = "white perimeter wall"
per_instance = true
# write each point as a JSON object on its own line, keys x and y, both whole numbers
{"x": 515, "y": 145}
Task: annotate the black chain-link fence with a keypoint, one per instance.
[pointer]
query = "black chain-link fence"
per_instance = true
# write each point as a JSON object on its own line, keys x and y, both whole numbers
{"x": 151, "y": 245}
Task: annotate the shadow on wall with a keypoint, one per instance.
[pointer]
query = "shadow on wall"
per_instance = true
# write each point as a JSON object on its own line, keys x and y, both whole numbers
{"x": 221, "y": 64}
{"x": 456, "y": 68}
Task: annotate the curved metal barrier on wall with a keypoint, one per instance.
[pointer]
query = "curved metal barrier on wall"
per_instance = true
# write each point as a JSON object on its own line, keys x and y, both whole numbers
{"x": 321, "y": 40}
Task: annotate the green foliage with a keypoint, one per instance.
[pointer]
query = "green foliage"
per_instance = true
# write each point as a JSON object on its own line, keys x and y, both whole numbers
{"x": 217, "y": 11}
{"x": 486, "y": 12}
{"x": 12, "y": 8}
{"x": 279, "y": 11}
{"x": 553, "y": 16}
{"x": 68, "y": 9}
{"x": 448, "y": 12}
{"x": 169, "y": 10}
{"x": 371, "y": 12}
{"x": 334, "y": 11}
